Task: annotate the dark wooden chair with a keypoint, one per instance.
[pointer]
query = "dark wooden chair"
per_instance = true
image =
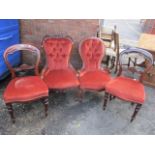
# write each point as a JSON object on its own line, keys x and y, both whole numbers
{"x": 24, "y": 89}
{"x": 125, "y": 88}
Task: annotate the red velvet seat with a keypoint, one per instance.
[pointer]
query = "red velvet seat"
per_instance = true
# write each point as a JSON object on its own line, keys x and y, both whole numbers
{"x": 58, "y": 73}
{"x": 127, "y": 89}
{"x": 61, "y": 79}
{"x": 94, "y": 80}
{"x": 25, "y": 89}
{"x": 92, "y": 76}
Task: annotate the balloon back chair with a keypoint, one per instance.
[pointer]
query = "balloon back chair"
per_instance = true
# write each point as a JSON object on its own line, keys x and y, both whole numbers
{"x": 27, "y": 88}
{"x": 92, "y": 76}
{"x": 127, "y": 88}
{"x": 58, "y": 73}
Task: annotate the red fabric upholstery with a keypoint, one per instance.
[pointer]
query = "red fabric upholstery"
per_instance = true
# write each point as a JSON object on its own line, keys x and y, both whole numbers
{"x": 59, "y": 74}
{"x": 92, "y": 52}
{"x": 61, "y": 79}
{"x": 57, "y": 52}
{"x": 94, "y": 80}
{"x": 92, "y": 75}
{"x": 127, "y": 89}
{"x": 21, "y": 89}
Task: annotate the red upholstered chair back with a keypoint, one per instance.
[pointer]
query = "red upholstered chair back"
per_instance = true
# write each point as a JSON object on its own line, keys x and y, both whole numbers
{"x": 57, "y": 52}
{"x": 92, "y": 53}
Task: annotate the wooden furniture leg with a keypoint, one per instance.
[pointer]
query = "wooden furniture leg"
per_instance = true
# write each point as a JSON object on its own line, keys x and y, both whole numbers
{"x": 138, "y": 106}
{"x": 132, "y": 103}
{"x": 10, "y": 110}
{"x": 106, "y": 97}
{"x": 81, "y": 95}
{"x": 46, "y": 102}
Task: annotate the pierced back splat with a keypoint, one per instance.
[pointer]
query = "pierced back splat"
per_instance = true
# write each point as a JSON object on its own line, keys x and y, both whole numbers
{"x": 22, "y": 47}
{"x": 138, "y": 52}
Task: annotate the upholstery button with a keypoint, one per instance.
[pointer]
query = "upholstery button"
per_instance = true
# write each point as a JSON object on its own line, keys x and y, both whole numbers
{"x": 98, "y": 55}
{"x": 88, "y": 55}
{"x": 64, "y": 55}
{"x": 51, "y": 55}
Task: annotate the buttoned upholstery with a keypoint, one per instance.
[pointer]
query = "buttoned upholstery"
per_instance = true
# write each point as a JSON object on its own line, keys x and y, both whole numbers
{"x": 92, "y": 75}
{"x": 59, "y": 74}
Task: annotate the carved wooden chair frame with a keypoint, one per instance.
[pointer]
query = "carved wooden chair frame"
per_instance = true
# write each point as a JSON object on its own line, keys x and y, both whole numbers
{"x": 147, "y": 56}
{"x": 21, "y": 48}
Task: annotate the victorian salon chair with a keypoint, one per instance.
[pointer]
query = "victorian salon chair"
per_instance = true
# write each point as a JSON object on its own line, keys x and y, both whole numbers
{"x": 24, "y": 89}
{"x": 126, "y": 88}
{"x": 92, "y": 76}
{"x": 58, "y": 73}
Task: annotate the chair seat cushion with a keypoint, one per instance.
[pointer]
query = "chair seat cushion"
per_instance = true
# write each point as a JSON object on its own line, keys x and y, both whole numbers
{"x": 21, "y": 89}
{"x": 61, "y": 79}
{"x": 94, "y": 80}
{"x": 127, "y": 89}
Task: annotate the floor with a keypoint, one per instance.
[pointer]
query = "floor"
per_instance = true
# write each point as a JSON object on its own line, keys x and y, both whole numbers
{"x": 69, "y": 116}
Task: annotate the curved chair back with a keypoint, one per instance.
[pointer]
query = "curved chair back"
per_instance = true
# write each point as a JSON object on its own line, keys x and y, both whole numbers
{"x": 22, "y": 47}
{"x": 138, "y": 52}
{"x": 58, "y": 52}
{"x": 92, "y": 51}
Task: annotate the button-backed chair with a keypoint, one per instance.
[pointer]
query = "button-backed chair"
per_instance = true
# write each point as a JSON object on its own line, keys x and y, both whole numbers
{"x": 127, "y": 88}
{"x": 26, "y": 88}
{"x": 58, "y": 73}
{"x": 92, "y": 76}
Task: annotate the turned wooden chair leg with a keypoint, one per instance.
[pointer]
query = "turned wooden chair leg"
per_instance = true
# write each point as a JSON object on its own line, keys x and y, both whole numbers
{"x": 106, "y": 97}
{"x": 46, "y": 102}
{"x": 80, "y": 95}
{"x": 10, "y": 110}
{"x": 132, "y": 103}
{"x": 138, "y": 106}
{"x": 111, "y": 97}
